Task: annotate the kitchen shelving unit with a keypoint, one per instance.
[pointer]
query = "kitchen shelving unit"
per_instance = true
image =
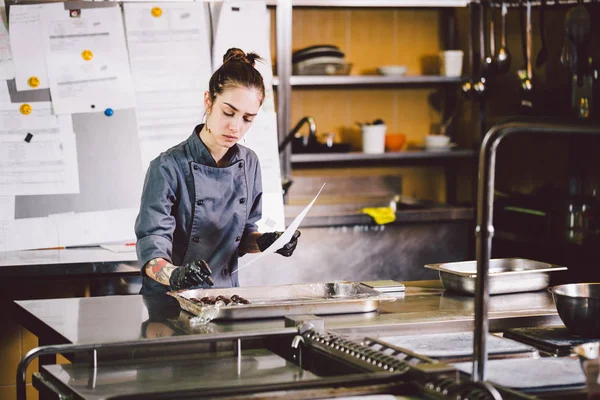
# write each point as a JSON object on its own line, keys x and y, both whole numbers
{"x": 285, "y": 81}
{"x": 367, "y": 80}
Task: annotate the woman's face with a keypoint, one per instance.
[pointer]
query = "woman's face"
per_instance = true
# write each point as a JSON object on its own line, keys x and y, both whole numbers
{"x": 231, "y": 114}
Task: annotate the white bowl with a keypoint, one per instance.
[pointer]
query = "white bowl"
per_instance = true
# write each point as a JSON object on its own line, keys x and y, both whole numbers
{"x": 437, "y": 141}
{"x": 397, "y": 70}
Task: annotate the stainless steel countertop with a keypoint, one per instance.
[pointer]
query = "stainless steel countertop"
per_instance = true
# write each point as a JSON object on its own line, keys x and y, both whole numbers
{"x": 425, "y": 307}
{"x": 65, "y": 262}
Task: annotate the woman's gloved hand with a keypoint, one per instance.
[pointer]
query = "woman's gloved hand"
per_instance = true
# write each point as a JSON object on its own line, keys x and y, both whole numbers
{"x": 193, "y": 274}
{"x": 267, "y": 239}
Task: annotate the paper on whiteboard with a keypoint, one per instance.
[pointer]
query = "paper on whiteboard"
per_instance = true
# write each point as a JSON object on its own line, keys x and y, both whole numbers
{"x": 4, "y": 93}
{"x": 285, "y": 237}
{"x": 77, "y": 229}
{"x": 26, "y": 41}
{"x": 7, "y": 208}
{"x": 28, "y": 233}
{"x": 245, "y": 24}
{"x": 88, "y": 67}
{"x": 38, "y": 154}
{"x": 237, "y": 27}
{"x": 170, "y": 52}
{"x": 170, "y": 66}
{"x": 7, "y": 65}
{"x": 119, "y": 248}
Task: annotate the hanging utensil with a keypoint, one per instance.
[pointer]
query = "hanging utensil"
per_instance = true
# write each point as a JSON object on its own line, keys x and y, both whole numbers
{"x": 467, "y": 86}
{"x": 489, "y": 64}
{"x": 543, "y": 53}
{"x": 526, "y": 75}
{"x": 578, "y": 25}
{"x": 503, "y": 58}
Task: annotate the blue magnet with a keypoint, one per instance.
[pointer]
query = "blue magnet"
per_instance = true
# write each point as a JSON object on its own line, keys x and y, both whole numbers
{"x": 109, "y": 112}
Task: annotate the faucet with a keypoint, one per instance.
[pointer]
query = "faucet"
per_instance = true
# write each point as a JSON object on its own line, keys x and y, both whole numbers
{"x": 485, "y": 211}
{"x": 312, "y": 127}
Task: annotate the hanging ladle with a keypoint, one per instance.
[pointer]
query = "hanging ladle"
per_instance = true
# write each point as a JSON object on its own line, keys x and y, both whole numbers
{"x": 503, "y": 57}
{"x": 488, "y": 65}
{"x": 543, "y": 54}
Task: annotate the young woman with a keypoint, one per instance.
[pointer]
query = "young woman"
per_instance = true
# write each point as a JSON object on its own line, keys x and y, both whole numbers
{"x": 202, "y": 198}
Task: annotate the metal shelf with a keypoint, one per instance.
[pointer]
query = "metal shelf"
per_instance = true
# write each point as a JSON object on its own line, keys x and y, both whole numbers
{"x": 412, "y": 155}
{"x": 375, "y": 3}
{"x": 358, "y": 80}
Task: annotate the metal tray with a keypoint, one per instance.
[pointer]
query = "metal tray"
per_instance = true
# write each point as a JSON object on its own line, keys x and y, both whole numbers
{"x": 506, "y": 275}
{"x": 283, "y": 300}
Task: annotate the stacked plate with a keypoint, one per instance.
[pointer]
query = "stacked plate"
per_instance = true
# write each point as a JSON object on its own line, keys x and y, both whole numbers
{"x": 320, "y": 60}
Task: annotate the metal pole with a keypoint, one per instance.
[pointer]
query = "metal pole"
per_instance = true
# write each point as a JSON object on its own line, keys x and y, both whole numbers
{"x": 485, "y": 212}
{"x": 284, "y": 72}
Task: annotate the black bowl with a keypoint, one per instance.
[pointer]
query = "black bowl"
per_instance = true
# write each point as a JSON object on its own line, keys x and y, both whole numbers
{"x": 578, "y": 305}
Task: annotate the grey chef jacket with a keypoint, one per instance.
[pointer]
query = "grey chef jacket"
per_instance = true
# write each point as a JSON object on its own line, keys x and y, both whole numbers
{"x": 193, "y": 210}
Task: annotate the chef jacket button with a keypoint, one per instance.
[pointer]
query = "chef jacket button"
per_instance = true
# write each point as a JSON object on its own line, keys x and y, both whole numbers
{"x": 242, "y": 200}
{"x": 200, "y": 202}
{"x": 237, "y": 239}
{"x": 241, "y": 165}
{"x": 195, "y": 239}
{"x": 225, "y": 271}
{"x": 195, "y": 167}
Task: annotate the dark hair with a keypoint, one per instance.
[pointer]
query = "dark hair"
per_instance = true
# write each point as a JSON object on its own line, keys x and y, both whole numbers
{"x": 237, "y": 70}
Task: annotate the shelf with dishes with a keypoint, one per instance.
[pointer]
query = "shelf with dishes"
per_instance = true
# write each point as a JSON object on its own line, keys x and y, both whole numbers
{"x": 405, "y": 155}
{"x": 374, "y": 3}
{"x": 367, "y": 80}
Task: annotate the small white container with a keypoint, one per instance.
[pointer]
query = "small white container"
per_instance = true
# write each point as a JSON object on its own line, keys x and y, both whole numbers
{"x": 451, "y": 62}
{"x": 437, "y": 141}
{"x": 373, "y": 137}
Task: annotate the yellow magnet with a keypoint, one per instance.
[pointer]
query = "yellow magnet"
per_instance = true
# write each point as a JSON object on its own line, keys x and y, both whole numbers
{"x": 33, "y": 81}
{"x": 87, "y": 55}
{"x": 156, "y": 11}
{"x": 25, "y": 109}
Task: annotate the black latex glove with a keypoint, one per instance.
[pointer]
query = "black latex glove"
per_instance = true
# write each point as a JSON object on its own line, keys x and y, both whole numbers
{"x": 267, "y": 239}
{"x": 193, "y": 274}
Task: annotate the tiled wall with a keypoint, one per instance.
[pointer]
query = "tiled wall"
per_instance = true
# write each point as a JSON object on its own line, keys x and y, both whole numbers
{"x": 15, "y": 340}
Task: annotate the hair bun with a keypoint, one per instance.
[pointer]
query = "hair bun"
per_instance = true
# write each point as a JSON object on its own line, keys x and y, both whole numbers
{"x": 235, "y": 54}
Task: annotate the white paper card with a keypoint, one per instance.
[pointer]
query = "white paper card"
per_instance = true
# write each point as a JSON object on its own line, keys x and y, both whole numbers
{"x": 283, "y": 239}
{"x": 38, "y": 154}
{"x": 88, "y": 67}
{"x": 27, "y": 45}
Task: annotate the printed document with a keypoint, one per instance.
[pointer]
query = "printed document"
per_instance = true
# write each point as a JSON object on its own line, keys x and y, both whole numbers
{"x": 86, "y": 56}
{"x": 282, "y": 240}
{"x": 169, "y": 53}
{"x": 27, "y": 45}
{"x": 38, "y": 154}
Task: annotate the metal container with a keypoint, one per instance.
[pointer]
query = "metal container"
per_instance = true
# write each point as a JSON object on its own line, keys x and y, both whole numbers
{"x": 283, "y": 300}
{"x": 506, "y": 275}
{"x": 578, "y": 305}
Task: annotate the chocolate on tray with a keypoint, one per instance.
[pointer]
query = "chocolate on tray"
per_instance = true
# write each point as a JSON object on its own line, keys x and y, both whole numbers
{"x": 233, "y": 300}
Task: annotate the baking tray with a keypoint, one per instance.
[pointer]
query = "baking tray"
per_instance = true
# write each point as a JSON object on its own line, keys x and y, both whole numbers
{"x": 506, "y": 275}
{"x": 283, "y": 300}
